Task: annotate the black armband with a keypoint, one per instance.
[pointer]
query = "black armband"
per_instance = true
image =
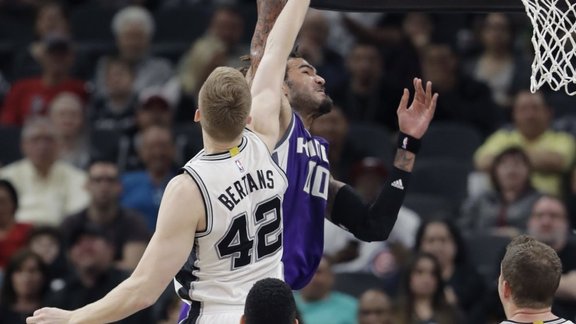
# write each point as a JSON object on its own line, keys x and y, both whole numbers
{"x": 408, "y": 143}
{"x": 371, "y": 223}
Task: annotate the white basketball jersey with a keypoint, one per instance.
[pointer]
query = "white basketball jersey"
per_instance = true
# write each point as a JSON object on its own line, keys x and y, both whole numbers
{"x": 242, "y": 191}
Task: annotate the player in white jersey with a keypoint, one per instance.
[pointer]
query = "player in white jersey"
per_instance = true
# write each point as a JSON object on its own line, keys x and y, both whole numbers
{"x": 235, "y": 239}
{"x": 529, "y": 277}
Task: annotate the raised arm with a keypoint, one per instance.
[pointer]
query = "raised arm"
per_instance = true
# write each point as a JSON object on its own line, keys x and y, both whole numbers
{"x": 268, "y": 80}
{"x": 375, "y": 222}
{"x": 268, "y": 11}
{"x": 177, "y": 224}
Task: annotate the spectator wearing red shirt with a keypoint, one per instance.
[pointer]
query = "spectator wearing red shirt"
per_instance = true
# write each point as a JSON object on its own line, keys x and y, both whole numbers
{"x": 13, "y": 235}
{"x": 32, "y": 96}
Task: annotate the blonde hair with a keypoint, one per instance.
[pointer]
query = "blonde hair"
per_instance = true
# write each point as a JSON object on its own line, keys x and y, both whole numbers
{"x": 224, "y": 102}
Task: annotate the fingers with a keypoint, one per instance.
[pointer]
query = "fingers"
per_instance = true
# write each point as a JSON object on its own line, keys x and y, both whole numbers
{"x": 404, "y": 100}
{"x": 419, "y": 91}
{"x": 428, "y": 92}
{"x": 432, "y": 106}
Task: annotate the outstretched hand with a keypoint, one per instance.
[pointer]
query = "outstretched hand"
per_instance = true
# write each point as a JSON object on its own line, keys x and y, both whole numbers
{"x": 414, "y": 120}
{"x": 50, "y": 316}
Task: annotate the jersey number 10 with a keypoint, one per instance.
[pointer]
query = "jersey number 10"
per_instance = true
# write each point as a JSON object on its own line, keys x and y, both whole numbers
{"x": 238, "y": 244}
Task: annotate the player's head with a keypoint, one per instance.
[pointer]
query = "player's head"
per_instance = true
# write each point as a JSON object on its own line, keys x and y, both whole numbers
{"x": 305, "y": 89}
{"x": 529, "y": 274}
{"x": 270, "y": 301}
{"x": 224, "y": 104}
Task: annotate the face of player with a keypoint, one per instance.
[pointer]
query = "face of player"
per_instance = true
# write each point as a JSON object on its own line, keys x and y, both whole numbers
{"x": 549, "y": 222}
{"x": 374, "y": 308}
{"x": 422, "y": 280}
{"x": 305, "y": 88}
{"x": 438, "y": 241}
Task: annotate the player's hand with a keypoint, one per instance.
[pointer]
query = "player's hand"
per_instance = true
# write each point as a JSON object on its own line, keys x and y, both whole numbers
{"x": 414, "y": 120}
{"x": 50, "y": 316}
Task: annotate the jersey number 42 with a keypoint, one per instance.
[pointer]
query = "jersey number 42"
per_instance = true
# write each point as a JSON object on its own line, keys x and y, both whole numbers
{"x": 238, "y": 243}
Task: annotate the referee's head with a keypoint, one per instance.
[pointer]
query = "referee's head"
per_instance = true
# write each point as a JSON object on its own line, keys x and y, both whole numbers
{"x": 270, "y": 301}
{"x": 529, "y": 276}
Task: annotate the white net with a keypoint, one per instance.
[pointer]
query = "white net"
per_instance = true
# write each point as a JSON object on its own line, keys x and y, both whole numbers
{"x": 554, "y": 40}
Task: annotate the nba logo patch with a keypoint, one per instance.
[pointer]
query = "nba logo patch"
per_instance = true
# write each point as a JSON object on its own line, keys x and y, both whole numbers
{"x": 239, "y": 165}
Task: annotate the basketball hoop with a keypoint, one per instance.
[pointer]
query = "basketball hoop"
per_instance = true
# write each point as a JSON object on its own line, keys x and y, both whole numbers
{"x": 554, "y": 41}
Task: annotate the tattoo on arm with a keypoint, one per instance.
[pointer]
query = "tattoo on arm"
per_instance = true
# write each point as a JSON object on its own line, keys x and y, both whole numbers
{"x": 268, "y": 11}
{"x": 404, "y": 160}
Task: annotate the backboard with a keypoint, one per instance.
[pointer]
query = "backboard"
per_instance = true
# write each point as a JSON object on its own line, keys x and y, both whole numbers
{"x": 440, "y": 6}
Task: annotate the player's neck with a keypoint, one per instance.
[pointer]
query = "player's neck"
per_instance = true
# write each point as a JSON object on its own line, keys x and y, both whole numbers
{"x": 307, "y": 118}
{"x": 212, "y": 146}
{"x": 526, "y": 315}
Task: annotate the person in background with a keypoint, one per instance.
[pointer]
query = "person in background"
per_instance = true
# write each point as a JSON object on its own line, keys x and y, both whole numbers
{"x": 93, "y": 275}
{"x": 133, "y": 29}
{"x": 318, "y": 303}
{"x": 551, "y": 153}
{"x": 51, "y": 18}
{"x": 32, "y": 96}
{"x": 442, "y": 239}
{"x": 13, "y": 235}
{"x": 549, "y": 224}
{"x": 46, "y": 242}
{"x": 116, "y": 109}
{"x": 143, "y": 190}
{"x": 48, "y": 188}
{"x": 24, "y": 287}
{"x": 422, "y": 296}
{"x": 127, "y": 228}
{"x": 68, "y": 115}
{"x": 270, "y": 300}
{"x": 504, "y": 209}
{"x": 375, "y": 307}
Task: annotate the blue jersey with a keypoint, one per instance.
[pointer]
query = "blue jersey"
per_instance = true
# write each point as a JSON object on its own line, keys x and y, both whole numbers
{"x": 304, "y": 159}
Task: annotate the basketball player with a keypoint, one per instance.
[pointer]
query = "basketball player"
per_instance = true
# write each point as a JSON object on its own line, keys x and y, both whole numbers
{"x": 529, "y": 276}
{"x": 270, "y": 301}
{"x": 313, "y": 193}
{"x": 225, "y": 208}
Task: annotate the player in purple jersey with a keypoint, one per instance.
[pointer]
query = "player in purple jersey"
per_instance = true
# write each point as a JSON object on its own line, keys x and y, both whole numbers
{"x": 312, "y": 193}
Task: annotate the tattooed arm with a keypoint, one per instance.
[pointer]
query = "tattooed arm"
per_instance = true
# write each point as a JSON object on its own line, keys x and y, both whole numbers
{"x": 375, "y": 222}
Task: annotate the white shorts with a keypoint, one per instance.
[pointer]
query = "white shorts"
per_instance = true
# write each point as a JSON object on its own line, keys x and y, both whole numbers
{"x": 222, "y": 318}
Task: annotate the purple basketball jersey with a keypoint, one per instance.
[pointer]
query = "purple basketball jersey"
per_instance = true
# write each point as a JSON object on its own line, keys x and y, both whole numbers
{"x": 304, "y": 158}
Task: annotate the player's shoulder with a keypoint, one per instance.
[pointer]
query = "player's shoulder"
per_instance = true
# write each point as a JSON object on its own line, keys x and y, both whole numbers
{"x": 182, "y": 184}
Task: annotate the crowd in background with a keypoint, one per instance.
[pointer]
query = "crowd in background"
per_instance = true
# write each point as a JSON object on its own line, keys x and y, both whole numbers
{"x": 97, "y": 100}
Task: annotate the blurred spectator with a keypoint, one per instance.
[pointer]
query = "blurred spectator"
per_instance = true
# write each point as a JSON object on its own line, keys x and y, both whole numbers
{"x": 51, "y": 19}
{"x": 463, "y": 284}
{"x": 551, "y": 153}
{"x": 13, "y": 235}
{"x": 4, "y": 87}
{"x": 418, "y": 27}
{"x": 549, "y": 224}
{"x": 375, "y": 307}
{"x": 68, "y": 115}
{"x": 368, "y": 96}
{"x": 422, "y": 298}
{"x": 24, "y": 287}
{"x": 93, "y": 275}
{"x": 30, "y": 97}
{"x": 497, "y": 65}
{"x": 133, "y": 28}
{"x": 48, "y": 189}
{"x": 116, "y": 109}
{"x": 154, "y": 108}
{"x": 46, "y": 241}
{"x": 206, "y": 54}
{"x": 128, "y": 229}
{"x": 334, "y": 127}
{"x": 318, "y": 303}
{"x": 143, "y": 190}
{"x": 464, "y": 100}
{"x": 313, "y": 47}
{"x": 504, "y": 209}
{"x": 343, "y": 26}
